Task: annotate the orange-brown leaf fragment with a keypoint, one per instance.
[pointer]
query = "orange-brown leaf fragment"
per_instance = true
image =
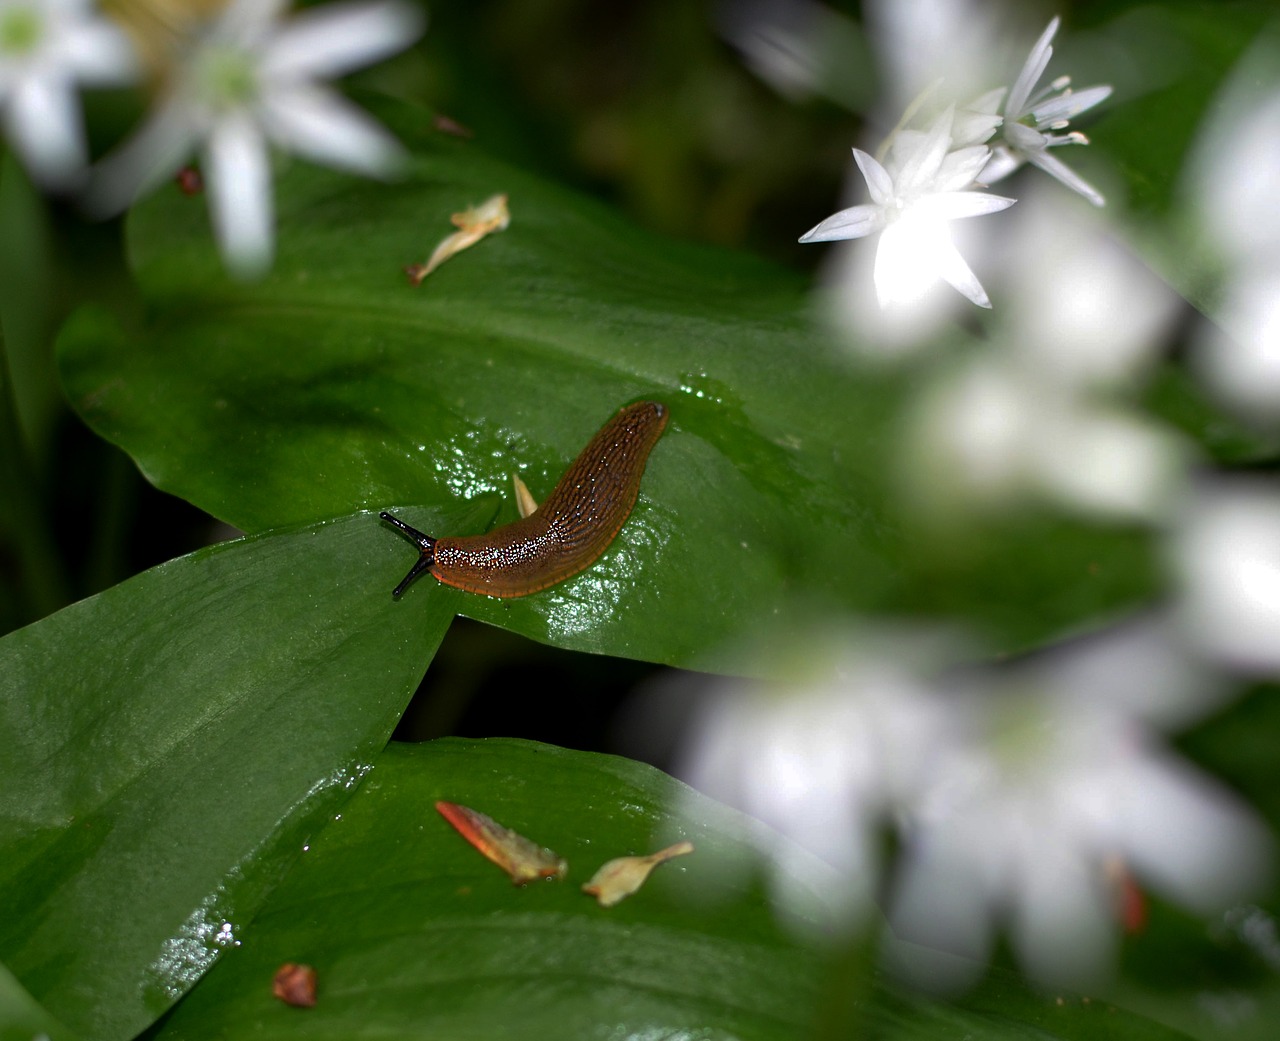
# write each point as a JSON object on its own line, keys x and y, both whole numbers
{"x": 618, "y": 879}
{"x": 519, "y": 857}
{"x": 295, "y": 985}
{"x": 473, "y": 224}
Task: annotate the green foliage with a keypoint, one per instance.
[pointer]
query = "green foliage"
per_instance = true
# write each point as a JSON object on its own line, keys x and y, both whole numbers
{"x": 171, "y": 743}
{"x": 335, "y": 385}
{"x": 174, "y": 744}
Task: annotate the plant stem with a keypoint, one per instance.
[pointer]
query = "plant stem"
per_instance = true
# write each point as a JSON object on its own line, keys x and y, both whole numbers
{"x": 41, "y": 579}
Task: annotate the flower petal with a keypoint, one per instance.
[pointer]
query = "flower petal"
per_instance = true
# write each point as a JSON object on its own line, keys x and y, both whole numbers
{"x": 919, "y": 169}
{"x": 853, "y": 223}
{"x": 247, "y": 23}
{"x": 951, "y": 267}
{"x": 333, "y": 39}
{"x": 1060, "y": 923}
{"x": 322, "y": 125}
{"x": 1070, "y": 104}
{"x": 1031, "y": 72}
{"x": 957, "y": 205}
{"x": 45, "y": 125}
{"x": 879, "y": 183}
{"x": 1002, "y": 163}
{"x": 152, "y": 155}
{"x": 100, "y": 54}
{"x": 238, "y": 174}
{"x": 906, "y": 259}
{"x": 1057, "y": 168}
{"x": 959, "y": 168}
{"x": 1024, "y": 138}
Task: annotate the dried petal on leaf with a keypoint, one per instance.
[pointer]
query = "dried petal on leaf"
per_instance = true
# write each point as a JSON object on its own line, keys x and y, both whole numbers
{"x": 618, "y": 879}
{"x": 295, "y": 985}
{"x": 473, "y": 224}
{"x": 525, "y": 501}
{"x": 520, "y": 858}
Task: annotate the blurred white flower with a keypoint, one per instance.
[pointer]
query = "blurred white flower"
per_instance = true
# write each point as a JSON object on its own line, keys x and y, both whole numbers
{"x": 1029, "y": 797}
{"x": 1233, "y": 169}
{"x": 1033, "y": 122}
{"x": 1051, "y": 785}
{"x": 1036, "y": 417}
{"x": 251, "y": 81}
{"x": 1239, "y": 357}
{"x": 824, "y": 761}
{"x": 47, "y": 48}
{"x": 914, "y": 195}
{"x": 1231, "y": 184}
{"x": 993, "y": 433}
{"x": 1226, "y": 557}
{"x": 1106, "y": 320}
{"x": 921, "y": 44}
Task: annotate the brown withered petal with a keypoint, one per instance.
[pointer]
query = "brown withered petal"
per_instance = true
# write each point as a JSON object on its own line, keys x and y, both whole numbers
{"x": 618, "y": 879}
{"x": 473, "y": 224}
{"x": 519, "y": 857}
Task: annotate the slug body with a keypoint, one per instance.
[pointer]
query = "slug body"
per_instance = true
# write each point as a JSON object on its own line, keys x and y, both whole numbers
{"x": 567, "y": 533}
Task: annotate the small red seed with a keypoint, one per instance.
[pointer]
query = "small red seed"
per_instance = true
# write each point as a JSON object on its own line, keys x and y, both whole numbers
{"x": 295, "y": 984}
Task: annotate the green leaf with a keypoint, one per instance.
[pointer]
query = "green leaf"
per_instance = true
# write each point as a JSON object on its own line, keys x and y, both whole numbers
{"x": 413, "y": 934}
{"x": 334, "y": 384}
{"x": 170, "y": 743}
{"x": 21, "y": 1017}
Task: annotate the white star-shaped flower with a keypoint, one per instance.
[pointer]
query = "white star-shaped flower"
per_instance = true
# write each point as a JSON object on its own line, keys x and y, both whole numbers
{"x": 47, "y": 47}
{"x": 253, "y": 81}
{"x": 1034, "y": 123}
{"x": 914, "y": 195}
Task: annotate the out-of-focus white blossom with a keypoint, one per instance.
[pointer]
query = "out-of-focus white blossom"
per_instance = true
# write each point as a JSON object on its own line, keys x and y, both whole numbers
{"x": 994, "y": 433}
{"x": 47, "y": 49}
{"x": 253, "y": 80}
{"x": 1052, "y": 783}
{"x": 1239, "y": 357}
{"x": 824, "y": 761}
{"x": 1232, "y": 187}
{"x": 1080, "y": 307}
{"x": 1231, "y": 174}
{"x": 1020, "y": 796}
{"x": 919, "y": 190}
{"x": 1226, "y": 556}
{"x": 946, "y": 47}
{"x": 1034, "y": 122}
{"x": 1036, "y": 417}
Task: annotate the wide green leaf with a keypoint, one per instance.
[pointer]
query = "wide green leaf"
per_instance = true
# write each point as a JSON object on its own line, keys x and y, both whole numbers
{"x": 170, "y": 743}
{"x": 334, "y": 384}
{"x": 413, "y": 934}
{"x": 21, "y": 1017}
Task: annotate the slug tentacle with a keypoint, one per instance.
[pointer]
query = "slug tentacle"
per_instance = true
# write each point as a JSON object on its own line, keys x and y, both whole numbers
{"x": 426, "y": 545}
{"x": 567, "y": 533}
